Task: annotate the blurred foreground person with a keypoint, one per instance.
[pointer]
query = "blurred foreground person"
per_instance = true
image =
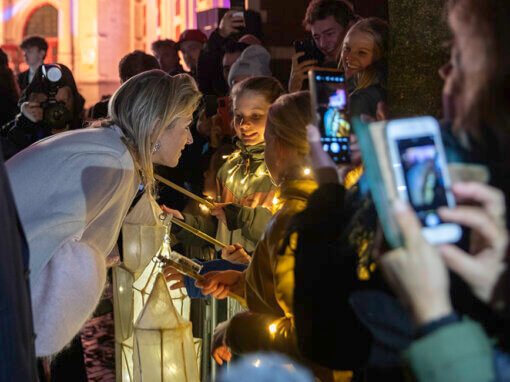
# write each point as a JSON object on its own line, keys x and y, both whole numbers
{"x": 17, "y": 352}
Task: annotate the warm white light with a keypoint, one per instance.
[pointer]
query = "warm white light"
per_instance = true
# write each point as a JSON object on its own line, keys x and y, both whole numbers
{"x": 204, "y": 208}
{"x": 275, "y": 200}
{"x": 225, "y": 156}
{"x": 307, "y": 171}
{"x": 256, "y": 363}
{"x": 121, "y": 289}
{"x": 272, "y": 329}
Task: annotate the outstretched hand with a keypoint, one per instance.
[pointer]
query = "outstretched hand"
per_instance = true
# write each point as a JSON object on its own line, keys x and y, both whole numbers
{"x": 219, "y": 212}
{"x": 172, "y": 274}
{"x": 219, "y": 350}
{"x": 236, "y": 254}
{"x": 219, "y": 283}
{"x": 175, "y": 213}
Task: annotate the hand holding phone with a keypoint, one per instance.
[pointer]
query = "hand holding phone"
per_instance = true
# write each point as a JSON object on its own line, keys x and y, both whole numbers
{"x": 310, "y": 50}
{"x": 421, "y": 174}
{"x": 330, "y": 108}
{"x": 232, "y": 23}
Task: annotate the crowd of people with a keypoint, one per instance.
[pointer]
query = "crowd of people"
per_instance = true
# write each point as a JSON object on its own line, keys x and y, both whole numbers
{"x": 304, "y": 245}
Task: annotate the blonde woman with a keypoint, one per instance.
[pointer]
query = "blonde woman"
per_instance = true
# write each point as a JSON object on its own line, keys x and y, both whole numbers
{"x": 73, "y": 190}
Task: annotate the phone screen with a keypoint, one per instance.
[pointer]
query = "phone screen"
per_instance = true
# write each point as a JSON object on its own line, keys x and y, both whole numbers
{"x": 423, "y": 177}
{"x": 331, "y": 101}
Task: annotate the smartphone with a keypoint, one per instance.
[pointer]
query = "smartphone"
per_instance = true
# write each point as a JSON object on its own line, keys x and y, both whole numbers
{"x": 330, "y": 108}
{"x": 237, "y": 5}
{"x": 225, "y": 111}
{"x": 310, "y": 49}
{"x": 421, "y": 174}
{"x": 211, "y": 105}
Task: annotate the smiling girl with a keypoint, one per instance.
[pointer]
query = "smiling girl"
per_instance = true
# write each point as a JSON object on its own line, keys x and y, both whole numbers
{"x": 363, "y": 61}
{"x": 244, "y": 185}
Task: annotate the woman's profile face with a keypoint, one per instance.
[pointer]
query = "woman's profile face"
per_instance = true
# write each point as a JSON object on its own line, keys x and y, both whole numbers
{"x": 172, "y": 141}
{"x": 250, "y": 115}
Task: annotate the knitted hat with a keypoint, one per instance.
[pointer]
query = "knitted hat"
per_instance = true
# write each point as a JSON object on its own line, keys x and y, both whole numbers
{"x": 254, "y": 61}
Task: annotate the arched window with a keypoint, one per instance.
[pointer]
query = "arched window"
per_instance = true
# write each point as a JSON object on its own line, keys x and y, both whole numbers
{"x": 44, "y": 22}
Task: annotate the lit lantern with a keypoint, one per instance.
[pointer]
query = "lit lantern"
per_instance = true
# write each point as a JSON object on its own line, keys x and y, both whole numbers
{"x": 163, "y": 346}
{"x": 143, "y": 241}
{"x": 142, "y": 235}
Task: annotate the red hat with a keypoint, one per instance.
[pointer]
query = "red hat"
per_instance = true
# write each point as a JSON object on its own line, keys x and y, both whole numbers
{"x": 192, "y": 35}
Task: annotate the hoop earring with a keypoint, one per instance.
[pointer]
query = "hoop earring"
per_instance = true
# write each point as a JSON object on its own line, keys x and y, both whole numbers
{"x": 157, "y": 146}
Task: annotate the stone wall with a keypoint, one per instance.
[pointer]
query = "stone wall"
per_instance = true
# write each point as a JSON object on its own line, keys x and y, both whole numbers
{"x": 418, "y": 36}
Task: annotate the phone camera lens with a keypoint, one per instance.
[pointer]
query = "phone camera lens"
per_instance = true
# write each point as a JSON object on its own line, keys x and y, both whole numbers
{"x": 432, "y": 220}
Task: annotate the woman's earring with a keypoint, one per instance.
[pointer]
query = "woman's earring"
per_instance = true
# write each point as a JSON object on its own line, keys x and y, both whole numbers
{"x": 157, "y": 146}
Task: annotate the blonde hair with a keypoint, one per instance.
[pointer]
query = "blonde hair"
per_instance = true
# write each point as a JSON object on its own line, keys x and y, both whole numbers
{"x": 287, "y": 120}
{"x": 144, "y": 106}
{"x": 377, "y": 29}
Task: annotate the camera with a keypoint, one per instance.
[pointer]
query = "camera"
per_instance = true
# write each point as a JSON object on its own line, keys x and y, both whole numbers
{"x": 56, "y": 114}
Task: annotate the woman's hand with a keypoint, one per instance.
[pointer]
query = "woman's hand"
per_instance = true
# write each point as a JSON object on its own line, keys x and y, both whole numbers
{"x": 219, "y": 212}
{"x": 219, "y": 350}
{"x": 236, "y": 254}
{"x": 483, "y": 268}
{"x": 219, "y": 283}
{"x": 417, "y": 273}
{"x": 172, "y": 274}
{"x": 177, "y": 214}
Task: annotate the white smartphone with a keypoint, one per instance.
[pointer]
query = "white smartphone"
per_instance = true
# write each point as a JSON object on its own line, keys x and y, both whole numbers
{"x": 421, "y": 174}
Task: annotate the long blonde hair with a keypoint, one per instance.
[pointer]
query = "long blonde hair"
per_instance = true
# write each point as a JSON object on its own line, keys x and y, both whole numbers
{"x": 377, "y": 29}
{"x": 287, "y": 120}
{"x": 146, "y": 104}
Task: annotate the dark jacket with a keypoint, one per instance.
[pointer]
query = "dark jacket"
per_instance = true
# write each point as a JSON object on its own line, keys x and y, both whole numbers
{"x": 209, "y": 69}
{"x": 17, "y": 353}
{"x": 21, "y": 132}
{"x": 364, "y": 101}
{"x": 23, "y": 80}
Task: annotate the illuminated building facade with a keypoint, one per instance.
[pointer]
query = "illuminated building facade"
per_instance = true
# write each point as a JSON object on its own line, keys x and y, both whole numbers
{"x": 91, "y": 36}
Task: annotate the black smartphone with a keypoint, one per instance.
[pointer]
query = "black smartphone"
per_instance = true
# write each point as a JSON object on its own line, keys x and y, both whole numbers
{"x": 310, "y": 49}
{"x": 330, "y": 107}
{"x": 211, "y": 105}
{"x": 237, "y": 5}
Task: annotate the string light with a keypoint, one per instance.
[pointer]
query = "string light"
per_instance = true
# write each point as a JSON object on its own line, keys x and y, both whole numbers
{"x": 256, "y": 363}
{"x": 275, "y": 200}
{"x": 272, "y": 329}
{"x": 307, "y": 171}
{"x": 224, "y": 157}
{"x": 204, "y": 208}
